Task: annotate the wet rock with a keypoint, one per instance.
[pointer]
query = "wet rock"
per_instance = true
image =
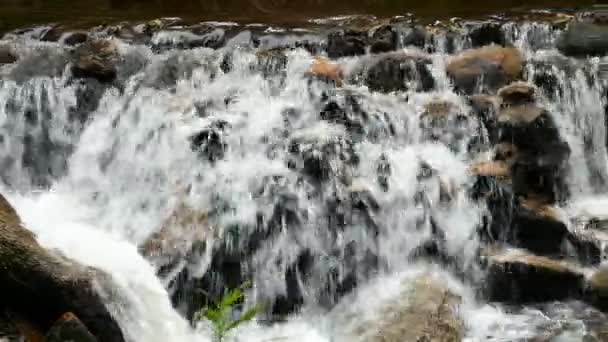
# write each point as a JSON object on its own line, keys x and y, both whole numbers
{"x": 69, "y": 328}
{"x": 488, "y": 68}
{"x": 383, "y": 39}
{"x": 584, "y": 39}
{"x": 485, "y": 108}
{"x": 7, "y": 54}
{"x": 518, "y": 277}
{"x": 61, "y": 34}
{"x": 597, "y": 288}
{"x": 179, "y": 233}
{"x": 274, "y": 63}
{"x": 397, "y": 71}
{"x": 442, "y": 121}
{"x": 75, "y": 38}
{"x": 210, "y": 143}
{"x": 517, "y": 93}
{"x": 346, "y": 43}
{"x": 426, "y": 310}
{"x": 412, "y": 36}
{"x": 327, "y": 70}
{"x": 56, "y": 284}
{"x": 96, "y": 59}
{"x": 208, "y": 37}
{"x": 542, "y": 155}
{"x": 537, "y": 227}
{"x": 485, "y": 33}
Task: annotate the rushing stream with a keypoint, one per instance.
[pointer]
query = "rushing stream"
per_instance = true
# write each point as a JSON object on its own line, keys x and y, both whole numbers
{"x": 305, "y": 208}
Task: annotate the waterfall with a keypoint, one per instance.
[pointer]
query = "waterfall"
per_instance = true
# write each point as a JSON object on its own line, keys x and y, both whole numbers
{"x": 324, "y": 213}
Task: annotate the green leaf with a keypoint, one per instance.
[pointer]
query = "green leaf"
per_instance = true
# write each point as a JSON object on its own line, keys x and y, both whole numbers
{"x": 231, "y": 298}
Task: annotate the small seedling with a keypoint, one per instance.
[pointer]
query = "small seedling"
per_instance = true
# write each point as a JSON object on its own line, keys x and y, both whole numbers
{"x": 221, "y": 313}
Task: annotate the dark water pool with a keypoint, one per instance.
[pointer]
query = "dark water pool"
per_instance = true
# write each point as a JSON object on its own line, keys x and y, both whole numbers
{"x": 15, "y": 13}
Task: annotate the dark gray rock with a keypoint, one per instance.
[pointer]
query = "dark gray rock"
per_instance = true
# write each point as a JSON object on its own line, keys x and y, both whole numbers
{"x": 584, "y": 39}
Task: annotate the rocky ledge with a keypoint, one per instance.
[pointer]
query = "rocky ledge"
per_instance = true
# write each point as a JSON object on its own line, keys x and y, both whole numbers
{"x": 44, "y": 295}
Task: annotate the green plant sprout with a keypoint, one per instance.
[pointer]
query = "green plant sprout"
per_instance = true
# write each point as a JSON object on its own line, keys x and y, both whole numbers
{"x": 221, "y": 313}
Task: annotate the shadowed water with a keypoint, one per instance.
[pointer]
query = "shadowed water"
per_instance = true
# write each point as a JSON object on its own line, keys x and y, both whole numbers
{"x": 16, "y": 13}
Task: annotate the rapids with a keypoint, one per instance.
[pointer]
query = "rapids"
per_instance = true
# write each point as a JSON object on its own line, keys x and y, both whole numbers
{"x": 94, "y": 172}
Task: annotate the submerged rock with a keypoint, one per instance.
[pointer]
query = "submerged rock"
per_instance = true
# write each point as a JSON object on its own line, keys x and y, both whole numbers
{"x": 55, "y": 284}
{"x": 488, "y": 68}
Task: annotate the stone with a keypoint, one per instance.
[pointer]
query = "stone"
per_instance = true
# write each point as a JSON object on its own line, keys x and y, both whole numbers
{"x": 542, "y": 154}
{"x": 396, "y": 71}
{"x": 488, "y": 68}
{"x": 7, "y": 54}
{"x": 517, "y": 93}
{"x": 75, "y": 38}
{"x": 180, "y": 232}
{"x": 69, "y": 328}
{"x": 383, "y": 38}
{"x": 327, "y": 69}
{"x": 96, "y": 59}
{"x": 425, "y": 310}
{"x": 346, "y": 43}
{"x": 584, "y": 39}
{"x": 491, "y": 168}
{"x": 55, "y": 284}
{"x": 537, "y": 227}
{"x": 597, "y": 289}
{"x": 485, "y": 33}
{"x": 516, "y": 276}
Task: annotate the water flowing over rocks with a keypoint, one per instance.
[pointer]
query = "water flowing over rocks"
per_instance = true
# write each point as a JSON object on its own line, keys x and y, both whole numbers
{"x": 315, "y": 162}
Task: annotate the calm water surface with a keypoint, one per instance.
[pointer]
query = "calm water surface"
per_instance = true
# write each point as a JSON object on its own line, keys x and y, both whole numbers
{"x": 16, "y": 13}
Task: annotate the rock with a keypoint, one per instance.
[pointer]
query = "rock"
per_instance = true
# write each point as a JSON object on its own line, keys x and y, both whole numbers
{"x": 7, "y": 54}
{"x": 210, "y": 143}
{"x": 426, "y": 310}
{"x": 490, "y": 67}
{"x": 542, "y": 155}
{"x": 397, "y": 71}
{"x": 515, "y": 276}
{"x": 326, "y": 69}
{"x": 96, "y": 59}
{"x": 383, "y": 39}
{"x": 491, "y": 168}
{"x": 485, "y": 108}
{"x": 55, "y": 284}
{"x": 517, "y": 93}
{"x": 584, "y": 39}
{"x": 597, "y": 289}
{"x": 346, "y": 43}
{"x": 181, "y": 232}
{"x": 485, "y": 33}
{"x": 75, "y": 38}
{"x": 69, "y": 328}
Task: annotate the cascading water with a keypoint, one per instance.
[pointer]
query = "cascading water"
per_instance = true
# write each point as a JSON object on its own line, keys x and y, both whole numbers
{"x": 307, "y": 206}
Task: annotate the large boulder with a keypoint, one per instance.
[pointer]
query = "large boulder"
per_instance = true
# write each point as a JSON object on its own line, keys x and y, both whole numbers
{"x": 55, "y": 284}
{"x": 488, "y": 68}
{"x": 426, "y": 310}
